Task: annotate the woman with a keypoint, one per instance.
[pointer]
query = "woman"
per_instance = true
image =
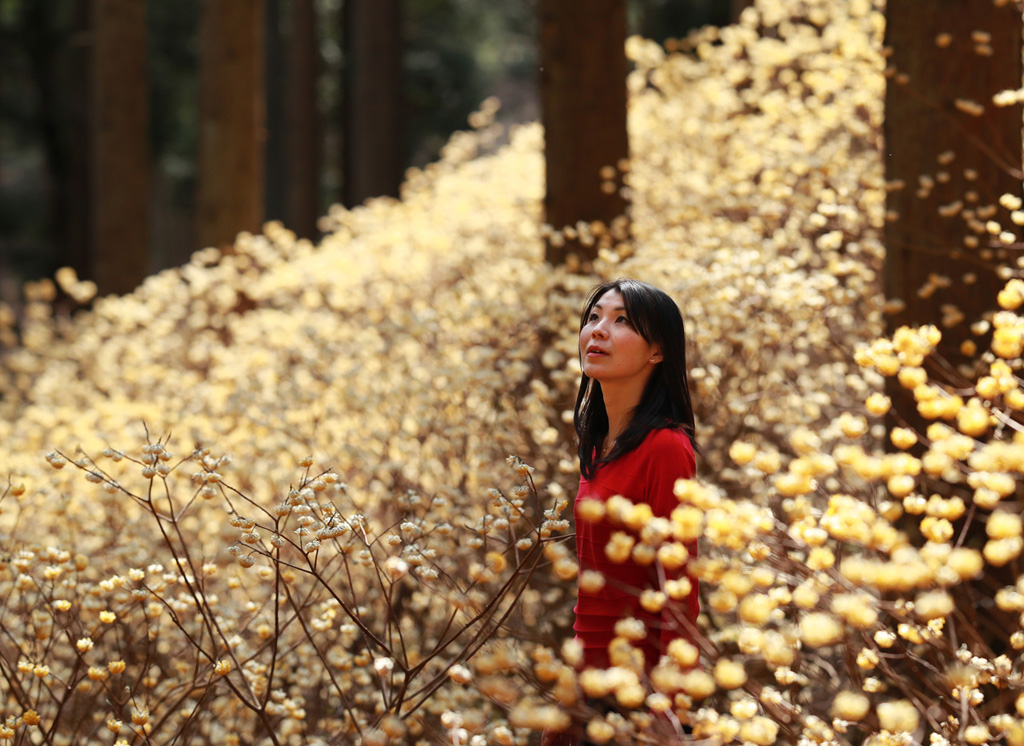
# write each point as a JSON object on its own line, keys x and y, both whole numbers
{"x": 635, "y": 428}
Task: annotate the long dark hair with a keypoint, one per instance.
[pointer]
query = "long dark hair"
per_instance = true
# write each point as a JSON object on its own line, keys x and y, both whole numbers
{"x": 665, "y": 402}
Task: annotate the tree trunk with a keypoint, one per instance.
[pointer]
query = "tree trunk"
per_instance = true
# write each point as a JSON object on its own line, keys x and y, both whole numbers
{"x": 276, "y": 163}
{"x": 940, "y": 254}
{"x": 583, "y": 98}
{"x": 303, "y": 122}
{"x": 232, "y": 121}
{"x": 945, "y": 156}
{"x": 120, "y": 146}
{"x": 373, "y": 94}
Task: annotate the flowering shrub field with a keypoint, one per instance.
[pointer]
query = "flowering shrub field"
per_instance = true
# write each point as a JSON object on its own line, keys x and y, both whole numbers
{"x": 268, "y": 497}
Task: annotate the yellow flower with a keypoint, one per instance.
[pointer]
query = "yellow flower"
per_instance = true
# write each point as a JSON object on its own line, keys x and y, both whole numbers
{"x": 1011, "y": 296}
{"x": 852, "y": 426}
{"x": 878, "y": 404}
{"x": 790, "y": 485}
{"x": 722, "y": 600}
{"x": 903, "y": 437}
{"x": 768, "y": 462}
{"x": 653, "y": 601}
{"x": 820, "y": 629}
{"x": 698, "y": 684}
{"x": 849, "y": 705}
{"x": 600, "y": 731}
{"x": 900, "y": 485}
{"x": 998, "y": 552}
{"x": 590, "y": 510}
{"x": 805, "y": 596}
{"x": 683, "y": 652}
{"x": 743, "y": 709}
{"x": 856, "y": 609}
{"x": 1003, "y": 525}
{"x": 673, "y": 555}
{"x": 973, "y": 420}
{"x": 687, "y": 523}
{"x": 760, "y": 730}
{"x": 966, "y": 563}
{"x": 777, "y": 649}
{"x": 867, "y": 659}
{"x": 591, "y": 581}
{"x": 933, "y": 605}
{"x": 679, "y": 588}
{"x": 528, "y": 714}
{"x": 899, "y": 715}
{"x": 911, "y": 377}
{"x": 756, "y": 609}
{"x": 820, "y": 558}
{"x": 619, "y": 547}
{"x": 730, "y": 674}
{"x": 742, "y": 453}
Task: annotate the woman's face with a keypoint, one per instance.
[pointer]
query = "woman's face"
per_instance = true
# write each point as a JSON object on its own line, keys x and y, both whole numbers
{"x": 611, "y": 350}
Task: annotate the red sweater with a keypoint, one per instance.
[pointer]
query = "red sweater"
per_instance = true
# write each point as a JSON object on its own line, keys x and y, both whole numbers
{"x": 645, "y": 475}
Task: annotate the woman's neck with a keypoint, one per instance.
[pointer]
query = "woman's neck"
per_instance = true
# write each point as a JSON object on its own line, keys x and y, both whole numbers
{"x": 619, "y": 404}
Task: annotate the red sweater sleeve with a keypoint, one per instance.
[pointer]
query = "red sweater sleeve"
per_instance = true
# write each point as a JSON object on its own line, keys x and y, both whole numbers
{"x": 672, "y": 458}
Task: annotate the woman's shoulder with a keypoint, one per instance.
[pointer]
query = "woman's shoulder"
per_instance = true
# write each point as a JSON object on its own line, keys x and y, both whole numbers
{"x": 669, "y": 448}
{"x": 667, "y": 440}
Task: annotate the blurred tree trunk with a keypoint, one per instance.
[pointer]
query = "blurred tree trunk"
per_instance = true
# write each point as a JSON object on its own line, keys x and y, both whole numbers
{"x": 73, "y": 231}
{"x": 944, "y": 156}
{"x": 232, "y": 120}
{"x": 276, "y": 96}
{"x": 583, "y": 98}
{"x": 302, "y": 119}
{"x": 372, "y": 133}
{"x": 60, "y": 121}
{"x": 120, "y": 146}
{"x": 941, "y": 259}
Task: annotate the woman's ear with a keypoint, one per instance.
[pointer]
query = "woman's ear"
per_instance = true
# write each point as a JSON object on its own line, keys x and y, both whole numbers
{"x": 656, "y": 356}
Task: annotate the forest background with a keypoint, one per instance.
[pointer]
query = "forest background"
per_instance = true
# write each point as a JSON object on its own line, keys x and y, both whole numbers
{"x": 430, "y": 62}
{"x": 264, "y": 495}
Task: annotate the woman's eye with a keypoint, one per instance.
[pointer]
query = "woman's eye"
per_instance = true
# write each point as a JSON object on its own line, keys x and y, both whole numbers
{"x": 622, "y": 319}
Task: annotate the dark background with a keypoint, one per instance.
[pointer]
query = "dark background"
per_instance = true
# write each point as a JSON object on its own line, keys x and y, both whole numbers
{"x": 454, "y": 54}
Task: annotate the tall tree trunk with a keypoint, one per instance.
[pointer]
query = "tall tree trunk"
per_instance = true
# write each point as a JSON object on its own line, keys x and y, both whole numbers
{"x": 120, "y": 146}
{"x": 583, "y": 97}
{"x": 303, "y": 121}
{"x": 232, "y": 120}
{"x": 73, "y": 229}
{"x": 956, "y": 154}
{"x": 277, "y": 105}
{"x": 373, "y": 94}
{"x": 63, "y": 132}
{"x": 944, "y": 156}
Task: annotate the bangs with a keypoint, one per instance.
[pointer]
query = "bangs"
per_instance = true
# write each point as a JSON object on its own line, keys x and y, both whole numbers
{"x": 634, "y": 296}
